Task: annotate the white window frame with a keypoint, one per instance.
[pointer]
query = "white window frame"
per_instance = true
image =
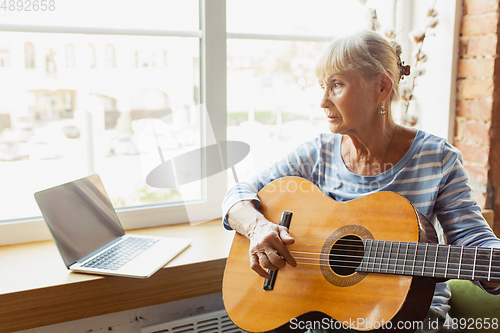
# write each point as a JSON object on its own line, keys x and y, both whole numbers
{"x": 213, "y": 36}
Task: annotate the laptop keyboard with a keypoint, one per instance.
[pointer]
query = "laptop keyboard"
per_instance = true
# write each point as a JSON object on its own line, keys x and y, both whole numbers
{"x": 120, "y": 254}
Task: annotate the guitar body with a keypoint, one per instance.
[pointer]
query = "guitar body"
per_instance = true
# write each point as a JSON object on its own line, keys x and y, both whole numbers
{"x": 362, "y": 301}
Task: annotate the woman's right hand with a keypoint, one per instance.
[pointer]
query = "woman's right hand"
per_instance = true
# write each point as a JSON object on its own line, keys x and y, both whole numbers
{"x": 268, "y": 247}
{"x": 268, "y": 241}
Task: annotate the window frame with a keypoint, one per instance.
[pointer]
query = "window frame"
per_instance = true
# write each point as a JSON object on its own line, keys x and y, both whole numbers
{"x": 212, "y": 39}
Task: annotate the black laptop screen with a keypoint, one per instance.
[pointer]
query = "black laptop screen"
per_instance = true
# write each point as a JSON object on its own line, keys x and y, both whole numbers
{"x": 80, "y": 217}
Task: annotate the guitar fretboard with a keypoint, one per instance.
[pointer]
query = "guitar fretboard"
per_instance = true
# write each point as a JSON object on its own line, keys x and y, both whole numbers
{"x": 431, "y": 260}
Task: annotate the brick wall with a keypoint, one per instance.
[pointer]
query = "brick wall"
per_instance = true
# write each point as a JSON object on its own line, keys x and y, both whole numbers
{"x": 477, "y": 127}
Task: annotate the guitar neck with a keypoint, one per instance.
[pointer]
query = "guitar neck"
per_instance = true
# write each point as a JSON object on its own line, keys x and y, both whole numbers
{"x": 431, "y": 260}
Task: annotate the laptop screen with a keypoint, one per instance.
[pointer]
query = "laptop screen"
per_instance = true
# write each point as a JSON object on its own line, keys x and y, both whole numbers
{"x": 80, "y": 217}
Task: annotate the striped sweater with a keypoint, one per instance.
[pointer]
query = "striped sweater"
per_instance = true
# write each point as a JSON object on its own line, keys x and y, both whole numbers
{"x": 430, "y": 175}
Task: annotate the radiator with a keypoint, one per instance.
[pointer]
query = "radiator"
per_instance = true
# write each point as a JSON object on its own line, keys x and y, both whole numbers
{"x": 213, "y": 322}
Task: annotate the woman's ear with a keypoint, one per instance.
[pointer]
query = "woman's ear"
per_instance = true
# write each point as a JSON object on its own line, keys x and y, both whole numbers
{"x": 384, "y": 87}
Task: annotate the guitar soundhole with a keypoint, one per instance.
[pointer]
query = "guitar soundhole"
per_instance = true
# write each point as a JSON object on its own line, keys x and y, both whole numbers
{"x": 346, "y": 255}
{"x": 341, "y": 255}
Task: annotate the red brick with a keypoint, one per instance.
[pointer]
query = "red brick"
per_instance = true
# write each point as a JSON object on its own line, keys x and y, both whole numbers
{"x": 477, "y": 132}
{"x": 477, "y": 89}
{"x": 476, "y": 68}
{"x": 477, "y": 110}
{"x": 460, "y": 85}
{"x": 472, "y": 7}
{"x": 463, "y": 47}
{"x": 484, "y": 45}
{"x": 459, "y": 128}
{"x": 473, "y": 153}
{"x": 479, "y": 24}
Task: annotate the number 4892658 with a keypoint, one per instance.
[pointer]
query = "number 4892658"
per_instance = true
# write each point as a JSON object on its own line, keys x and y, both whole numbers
{"x": 28, "y": 5}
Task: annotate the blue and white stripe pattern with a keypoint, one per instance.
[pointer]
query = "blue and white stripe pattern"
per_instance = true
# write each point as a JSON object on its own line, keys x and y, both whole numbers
{"x": 430, "y": 175}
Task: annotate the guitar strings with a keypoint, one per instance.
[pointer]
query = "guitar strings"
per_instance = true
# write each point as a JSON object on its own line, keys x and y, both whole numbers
{"x": 375, "y": 260}
{"x": 372, "y": 260}
{"x": 496, "y": 252}
{"x": 389, "y": 250}
{"x": 405, "y": 268}
{"x": 409, "y": 256}
{"x": 412, "y": 250}
{"x": 381, "y": 261}
{"x": 396, "y": 270}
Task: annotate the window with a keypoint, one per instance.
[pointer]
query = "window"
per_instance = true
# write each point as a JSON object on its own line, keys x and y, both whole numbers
{"x": 273, "y": 94}
{"x": 92, "y": 56}
{"x": 70, "y": 56}
{"x": 50, "y": 62}
{"x": 29, "y": 55}
{"x": 149, "y": 56}
{"x": 259, "y": 67}
{"x": 434, "y": 104}
{"x": 165, "y": 58}
{"x": 65, "y": 125}
{"x": 110, "y": 60}
{"x": 144, "y": 58}
{"x": 4, "y": 58}
{"x": 114, "y": 103}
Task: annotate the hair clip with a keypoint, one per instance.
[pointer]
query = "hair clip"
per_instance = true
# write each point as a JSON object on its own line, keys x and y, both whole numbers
{"x": 404, "y": 70}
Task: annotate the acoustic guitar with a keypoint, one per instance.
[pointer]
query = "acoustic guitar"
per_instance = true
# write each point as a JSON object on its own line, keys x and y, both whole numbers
{"x": 365, "y": 263}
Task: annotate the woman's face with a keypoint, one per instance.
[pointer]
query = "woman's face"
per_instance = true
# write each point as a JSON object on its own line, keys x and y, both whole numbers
{"x": 349, "y": 102}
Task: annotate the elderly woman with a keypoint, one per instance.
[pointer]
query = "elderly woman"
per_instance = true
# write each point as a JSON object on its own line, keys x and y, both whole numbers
{"x": 366, "y": 152}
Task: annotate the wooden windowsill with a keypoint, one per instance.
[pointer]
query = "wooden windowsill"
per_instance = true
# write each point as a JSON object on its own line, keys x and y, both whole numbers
{"x": 36, "y": 289}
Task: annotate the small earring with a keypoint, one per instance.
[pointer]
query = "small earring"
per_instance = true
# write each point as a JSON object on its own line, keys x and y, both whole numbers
{"x": 382, "y": 110}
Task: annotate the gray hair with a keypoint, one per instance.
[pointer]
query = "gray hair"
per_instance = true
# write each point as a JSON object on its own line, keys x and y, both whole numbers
{"x": 365, "y": 52}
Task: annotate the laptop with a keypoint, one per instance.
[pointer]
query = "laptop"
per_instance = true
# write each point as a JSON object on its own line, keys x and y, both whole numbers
{"x": 90, "y": 237}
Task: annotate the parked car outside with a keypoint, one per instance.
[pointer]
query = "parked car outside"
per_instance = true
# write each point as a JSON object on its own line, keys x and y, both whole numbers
{"x": 71, "y": 131}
